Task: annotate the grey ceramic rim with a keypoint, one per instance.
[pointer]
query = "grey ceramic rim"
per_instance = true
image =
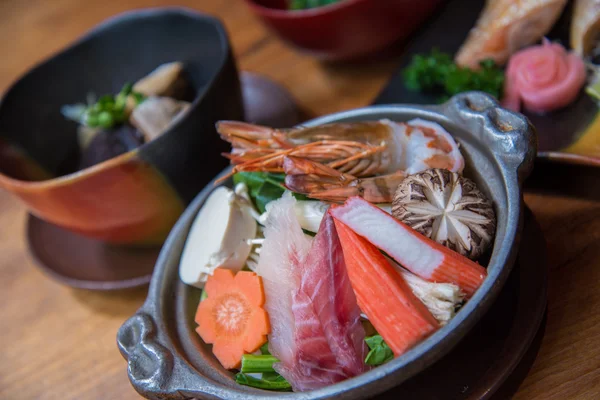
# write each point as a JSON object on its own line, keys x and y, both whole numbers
{"x": 499, "y": 148}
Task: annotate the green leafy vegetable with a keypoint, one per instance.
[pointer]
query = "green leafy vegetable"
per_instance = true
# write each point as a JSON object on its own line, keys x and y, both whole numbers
{"x": 264, "y": 349}
{"x": 306, "y": 4}
{"x": 268, "y": 383}
{"x": 270, "y": 380}
{"x": 267, "y": 193}
{"x": 252, "y": 363}
{"x": 380, "y": 352}
{"x": 309, "y": 233}
{"x": 204, "y": 295}
{"x": 437, "y": 73}
{"x": 252, "y": 179}
{"x": 138, "y": 97}
{"x": 271, "y": 376}
{"x": 263, "y": 187}
{"x": 107, "y": 112}
{"x": 426, "y": 72}
{"x": 593, "y": 89}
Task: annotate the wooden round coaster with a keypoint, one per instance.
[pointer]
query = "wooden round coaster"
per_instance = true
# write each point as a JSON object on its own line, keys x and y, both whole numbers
{"x": 494, "y": 358}
{"x": 86, "y": 263}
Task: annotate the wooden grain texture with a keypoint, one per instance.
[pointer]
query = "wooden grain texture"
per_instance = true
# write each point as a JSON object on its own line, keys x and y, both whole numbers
{"x": 568, "y": 365}
{"x": 59, "y": 343}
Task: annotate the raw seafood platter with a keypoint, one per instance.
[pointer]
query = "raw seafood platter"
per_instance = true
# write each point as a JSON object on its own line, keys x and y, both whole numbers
{"x": 339, "y": 248}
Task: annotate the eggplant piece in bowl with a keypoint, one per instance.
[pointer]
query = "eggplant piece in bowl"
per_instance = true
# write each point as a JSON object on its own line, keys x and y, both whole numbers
{"x": 135, "y": 197}
{"x": 168, "y": 359}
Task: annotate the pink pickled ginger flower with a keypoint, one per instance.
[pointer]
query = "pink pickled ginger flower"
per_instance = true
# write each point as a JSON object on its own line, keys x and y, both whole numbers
{"x": 543, "y": 78}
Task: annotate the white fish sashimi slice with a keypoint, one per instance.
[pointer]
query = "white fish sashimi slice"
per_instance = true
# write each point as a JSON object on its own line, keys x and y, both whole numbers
{"x": 284, "y": 244}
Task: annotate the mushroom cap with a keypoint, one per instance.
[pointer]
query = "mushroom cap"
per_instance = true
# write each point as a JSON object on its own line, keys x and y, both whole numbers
{"x": 448, "y": 208}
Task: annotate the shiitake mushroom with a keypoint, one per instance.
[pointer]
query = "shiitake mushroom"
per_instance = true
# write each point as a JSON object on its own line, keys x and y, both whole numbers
{"x": 448, "y": 208}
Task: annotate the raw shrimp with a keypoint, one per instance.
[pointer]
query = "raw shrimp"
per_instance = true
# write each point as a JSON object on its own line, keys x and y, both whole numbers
{"x": 361, "y": 149}
{"x": 321, "y": 182}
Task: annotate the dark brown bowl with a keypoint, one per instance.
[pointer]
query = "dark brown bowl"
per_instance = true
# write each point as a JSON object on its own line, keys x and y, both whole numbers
{"x": 168, "y": 360}
{"x": 134, "y": 198}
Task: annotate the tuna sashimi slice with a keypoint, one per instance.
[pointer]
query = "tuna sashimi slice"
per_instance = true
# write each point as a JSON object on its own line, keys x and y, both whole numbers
{"x": 383, "y": 295}
{"x": 326, "y": 285}
{"x": 314, "y": 365}
{"x": 415, "y": 252}
{"x": 315, "y": 320}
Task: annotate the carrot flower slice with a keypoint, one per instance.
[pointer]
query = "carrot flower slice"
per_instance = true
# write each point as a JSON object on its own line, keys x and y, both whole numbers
{"x": 232, "y": 317}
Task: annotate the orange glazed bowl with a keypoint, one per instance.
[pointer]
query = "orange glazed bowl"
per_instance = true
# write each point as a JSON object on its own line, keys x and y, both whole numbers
{"x": 136, "y": 197}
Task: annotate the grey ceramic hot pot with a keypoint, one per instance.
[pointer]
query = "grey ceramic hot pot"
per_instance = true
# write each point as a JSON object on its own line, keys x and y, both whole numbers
{"x": 168, "y": 360}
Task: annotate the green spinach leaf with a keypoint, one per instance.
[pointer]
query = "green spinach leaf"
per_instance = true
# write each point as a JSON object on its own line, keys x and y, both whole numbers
{"x": 264, "y": 187}
{"x": 264, "y": 349}
{"x": 380, "y": 352}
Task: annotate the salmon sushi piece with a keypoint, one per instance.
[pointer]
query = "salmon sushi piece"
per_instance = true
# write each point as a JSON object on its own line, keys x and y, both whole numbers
{"x": 506, "y": 26}
{"x": 585, "y": 26}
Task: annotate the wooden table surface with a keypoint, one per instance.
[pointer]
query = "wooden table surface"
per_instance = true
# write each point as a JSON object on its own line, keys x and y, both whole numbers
{"x": 59, "y": 343}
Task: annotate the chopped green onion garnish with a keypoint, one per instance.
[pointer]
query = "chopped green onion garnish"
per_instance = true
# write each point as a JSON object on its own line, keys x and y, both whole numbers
{"x": 107, "y": 112}
{"x": 279, "y": 383}
{"x": 252, "y": 363}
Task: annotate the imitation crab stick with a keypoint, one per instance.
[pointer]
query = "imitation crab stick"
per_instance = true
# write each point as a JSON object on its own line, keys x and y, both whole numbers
{"x": 231, "y": 318}
{"x": 383, "y": 295}
{"x": 415, "y": 252}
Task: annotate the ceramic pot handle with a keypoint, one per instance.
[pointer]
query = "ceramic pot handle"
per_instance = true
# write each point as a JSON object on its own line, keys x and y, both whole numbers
{"x": 509, "y": 135}
{"x": 152, "y": 368}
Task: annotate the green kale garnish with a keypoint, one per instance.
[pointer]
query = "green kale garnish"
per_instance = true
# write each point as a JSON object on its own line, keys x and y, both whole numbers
{"x": 437, "y": 73}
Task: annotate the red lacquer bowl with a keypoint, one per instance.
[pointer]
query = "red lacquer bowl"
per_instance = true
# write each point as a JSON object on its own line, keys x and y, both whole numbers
{"x": 345, "y": 30}
{"x": 134, "y": 198}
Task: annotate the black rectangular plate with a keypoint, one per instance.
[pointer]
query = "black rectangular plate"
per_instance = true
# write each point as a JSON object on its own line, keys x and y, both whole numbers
{"x": 447, "y": 30}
